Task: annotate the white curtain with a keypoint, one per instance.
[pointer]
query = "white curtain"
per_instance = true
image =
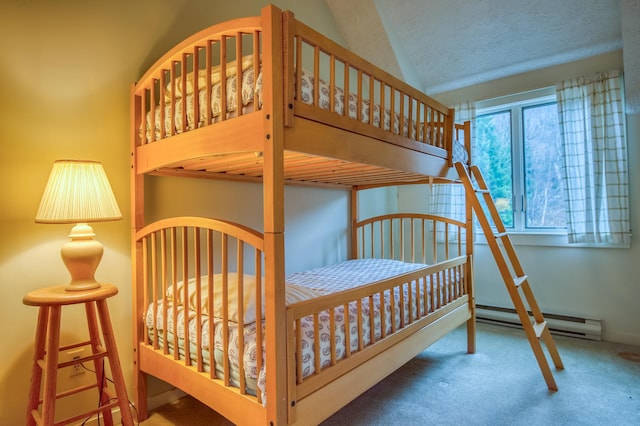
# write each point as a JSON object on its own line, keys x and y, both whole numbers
{"x": 592, "y": 126}
{"x": 448, "y": 199}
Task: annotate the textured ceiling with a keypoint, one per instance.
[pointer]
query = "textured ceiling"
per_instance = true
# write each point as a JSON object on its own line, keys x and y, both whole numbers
{"x": 445, "y": 45}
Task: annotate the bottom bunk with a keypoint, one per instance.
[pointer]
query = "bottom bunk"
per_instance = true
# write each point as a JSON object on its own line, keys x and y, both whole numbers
{"x": 201, "y": 297}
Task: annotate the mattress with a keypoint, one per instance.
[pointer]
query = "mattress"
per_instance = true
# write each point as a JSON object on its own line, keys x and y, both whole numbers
{"x": 302, "y": 286}
{"x": 248, "y": 86}
{"x": 251, "y": 88}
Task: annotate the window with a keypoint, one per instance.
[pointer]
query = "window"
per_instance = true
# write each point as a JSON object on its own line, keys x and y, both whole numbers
{"x": 518, "y": 149}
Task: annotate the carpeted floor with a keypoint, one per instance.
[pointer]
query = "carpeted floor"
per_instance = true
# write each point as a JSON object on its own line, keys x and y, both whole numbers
{"x": 500, "y": 384}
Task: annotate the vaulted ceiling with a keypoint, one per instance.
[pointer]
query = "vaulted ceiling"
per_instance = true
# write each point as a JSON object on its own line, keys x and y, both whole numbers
{"x": 442, "y": 45}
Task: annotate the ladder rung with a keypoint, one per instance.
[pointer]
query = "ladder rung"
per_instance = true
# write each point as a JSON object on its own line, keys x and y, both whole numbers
{"x": 539, "y": 328}
{"x": 74, "y": 391}
{"x": 108, "y": 392}
{"x": 36, "y": 416}
{"x": 74, "y": 345}
{"x": 100, "y": 353}
{"x": 482, "y": 191}
{"x": 517, "y": 281}
{"x": 102, "y": 409}
{"x": 501, "y": 234}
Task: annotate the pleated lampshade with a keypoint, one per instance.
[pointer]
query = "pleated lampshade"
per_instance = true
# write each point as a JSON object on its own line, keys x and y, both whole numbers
{"x": 78, "y": 191}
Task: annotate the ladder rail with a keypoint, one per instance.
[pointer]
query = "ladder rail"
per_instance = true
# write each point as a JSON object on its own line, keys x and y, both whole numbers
{"x": 497, "y": 220}
{"x": 511, "y": 271}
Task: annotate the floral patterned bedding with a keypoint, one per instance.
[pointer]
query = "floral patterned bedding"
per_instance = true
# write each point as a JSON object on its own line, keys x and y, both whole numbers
{"x": 321, "y": 281}
{"x": 252, "y": 89}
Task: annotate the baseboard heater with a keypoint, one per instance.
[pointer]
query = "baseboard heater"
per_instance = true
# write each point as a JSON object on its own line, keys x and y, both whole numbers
{"x": 558, "y": 324}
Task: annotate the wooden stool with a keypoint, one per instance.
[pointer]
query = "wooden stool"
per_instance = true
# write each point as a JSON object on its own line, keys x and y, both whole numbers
{"x": 45, "y": 359}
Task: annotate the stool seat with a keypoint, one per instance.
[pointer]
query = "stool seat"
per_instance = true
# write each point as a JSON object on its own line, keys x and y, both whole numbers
{"x": 45, "y": 359}
{"x": 59, "y": 296}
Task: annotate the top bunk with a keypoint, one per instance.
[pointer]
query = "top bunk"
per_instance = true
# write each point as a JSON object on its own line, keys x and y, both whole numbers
{"x": 268, "y": 94}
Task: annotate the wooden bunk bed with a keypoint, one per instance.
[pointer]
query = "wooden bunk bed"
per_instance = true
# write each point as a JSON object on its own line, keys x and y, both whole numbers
{"x": 267, "y": 99}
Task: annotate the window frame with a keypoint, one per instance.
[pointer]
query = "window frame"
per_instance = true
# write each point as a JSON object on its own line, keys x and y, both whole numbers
{"x": 515, "y": 103}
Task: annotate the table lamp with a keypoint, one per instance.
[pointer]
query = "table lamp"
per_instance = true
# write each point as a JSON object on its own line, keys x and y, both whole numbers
{"x": 79, "y": 192}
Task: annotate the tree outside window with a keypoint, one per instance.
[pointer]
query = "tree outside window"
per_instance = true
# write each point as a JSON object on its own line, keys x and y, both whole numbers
{"x": 518, "y": 151}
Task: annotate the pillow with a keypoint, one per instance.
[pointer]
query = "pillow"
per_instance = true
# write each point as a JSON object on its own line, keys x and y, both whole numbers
{"x": 459, "y": 152}
{"x": 247, "y": 62}
{"x": 294, "y": 293}
{"x": 297, "y": 293}
{"x": 248, "y": 287}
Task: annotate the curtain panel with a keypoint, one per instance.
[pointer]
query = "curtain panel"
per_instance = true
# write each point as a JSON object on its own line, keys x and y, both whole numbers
{"x": 591, "y": 118}
{"x": 449, "y": 199}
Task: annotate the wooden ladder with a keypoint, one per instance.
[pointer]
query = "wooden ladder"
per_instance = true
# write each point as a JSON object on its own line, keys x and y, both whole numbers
{"x": 514, "y": 277}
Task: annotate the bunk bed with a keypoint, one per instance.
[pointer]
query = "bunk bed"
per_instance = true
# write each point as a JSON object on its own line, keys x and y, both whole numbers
{"x": 267, "y": 99}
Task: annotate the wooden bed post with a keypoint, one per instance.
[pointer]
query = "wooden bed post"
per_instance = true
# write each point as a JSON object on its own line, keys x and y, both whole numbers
{"x": 450, "y": 134}
{"x": 137, "y": 222}
{"x": 273, "y": 184}
{"x": 354, "y": 220}
{"x": 471, "y": 323}
{"x": 288, "y": 53}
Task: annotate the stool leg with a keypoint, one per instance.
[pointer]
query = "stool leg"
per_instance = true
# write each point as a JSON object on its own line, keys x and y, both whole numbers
{"x": 98, "y": 364}
{"x": 36, "y": 370}
{"x": 51, "y": 366}
{"x": 114, "y": 362}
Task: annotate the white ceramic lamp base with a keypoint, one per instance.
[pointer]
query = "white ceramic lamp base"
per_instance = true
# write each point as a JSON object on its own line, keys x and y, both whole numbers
{"x": 82, "y": 256}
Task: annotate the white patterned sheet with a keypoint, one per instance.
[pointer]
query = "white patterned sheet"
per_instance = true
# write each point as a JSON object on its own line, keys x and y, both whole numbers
{"x": 345, "y": 275}
{"x": 326, "y": 280}
{"x": 324, "y": 100}
{"x": 342, "y": 276}
{"x": 250, "y": 88}
{"x": 249, "y": 357}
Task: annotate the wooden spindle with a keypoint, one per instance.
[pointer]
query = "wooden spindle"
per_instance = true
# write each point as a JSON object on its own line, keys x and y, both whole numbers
{"x": 198, "y": 291}
{"x": 163, "y": 291}
{"x": 174, "y": 282}
{"x": 223, "y": 78}
{"x": 154, "y": 289}
{"x": 210, "y": 302}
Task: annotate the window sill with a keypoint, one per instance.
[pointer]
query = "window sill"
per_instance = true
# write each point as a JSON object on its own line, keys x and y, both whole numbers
{"x": 545, "y": 240}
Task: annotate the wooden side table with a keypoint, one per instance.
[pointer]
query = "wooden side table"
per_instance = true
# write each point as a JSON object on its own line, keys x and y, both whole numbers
{"x": 45, "y": 360}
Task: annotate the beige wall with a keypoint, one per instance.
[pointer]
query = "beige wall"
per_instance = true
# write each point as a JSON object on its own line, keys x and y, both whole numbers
{"x": 65, "y": 72}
